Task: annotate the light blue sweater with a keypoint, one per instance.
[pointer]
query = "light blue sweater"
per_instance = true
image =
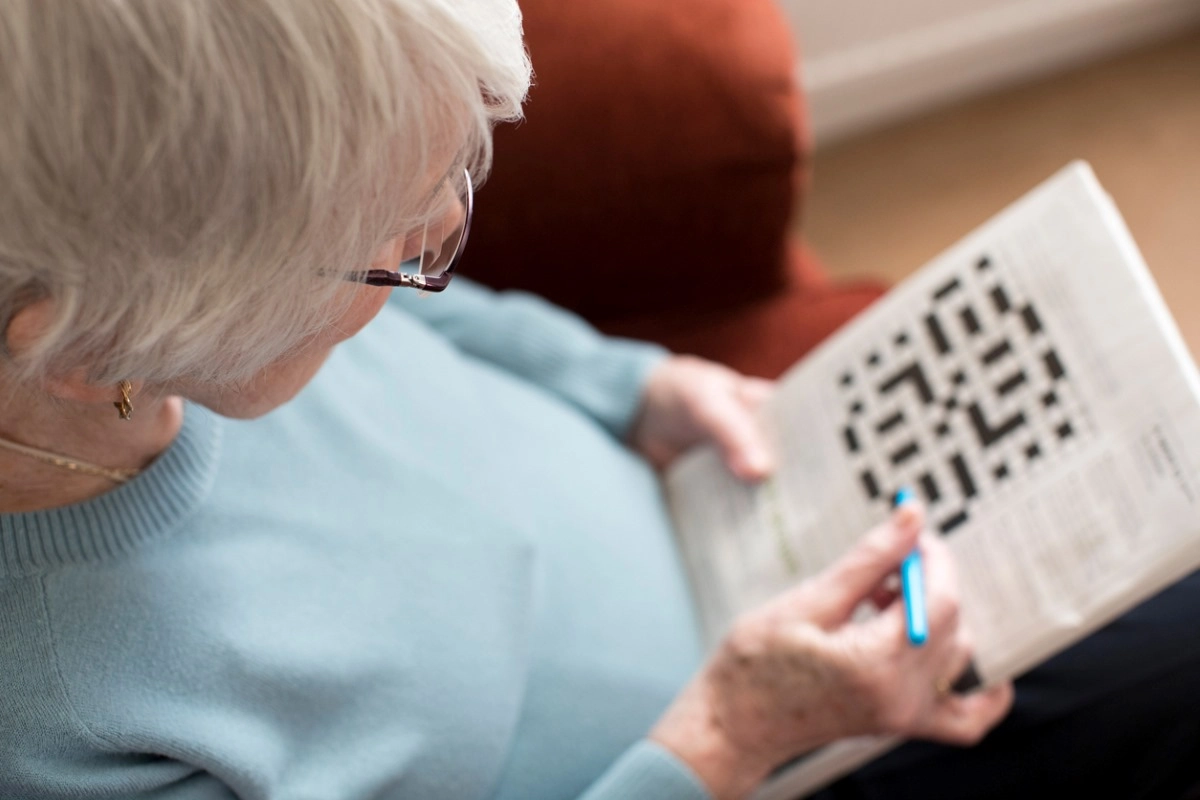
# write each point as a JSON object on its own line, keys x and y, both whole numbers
{"x": 435, "y": 574}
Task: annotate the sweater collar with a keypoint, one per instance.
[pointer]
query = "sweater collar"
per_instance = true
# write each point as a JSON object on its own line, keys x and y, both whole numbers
{"x": 153, "y": 504}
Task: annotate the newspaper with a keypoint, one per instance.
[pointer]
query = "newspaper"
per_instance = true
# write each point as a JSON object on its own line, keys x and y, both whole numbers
{"x": 1030, "y": 385}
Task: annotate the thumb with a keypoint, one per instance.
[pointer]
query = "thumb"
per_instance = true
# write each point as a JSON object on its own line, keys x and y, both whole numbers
{"x": 858, "y": 574}
{"x": 737, "y": 433}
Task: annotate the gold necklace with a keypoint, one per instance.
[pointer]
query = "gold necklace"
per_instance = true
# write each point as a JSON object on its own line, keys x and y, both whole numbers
{"x": 114, "y": 474}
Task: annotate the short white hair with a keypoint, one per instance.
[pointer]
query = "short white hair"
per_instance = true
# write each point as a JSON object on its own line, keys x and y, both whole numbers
{"x": 185, "y": 179}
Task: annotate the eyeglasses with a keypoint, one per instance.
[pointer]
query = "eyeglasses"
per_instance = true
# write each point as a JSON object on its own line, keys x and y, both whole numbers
{"x": 440, "y": 254}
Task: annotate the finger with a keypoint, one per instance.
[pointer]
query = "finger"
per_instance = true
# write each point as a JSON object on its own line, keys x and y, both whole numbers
{"x": 964, "y": 652}
{"x": 964, "y": 719}
{"x": 754, "y": 391}
{"x": 941, "y": 586}
{"x": 736, "y": 431}
{"x": 945, "y": 660}
{"x": 853, "y": 578}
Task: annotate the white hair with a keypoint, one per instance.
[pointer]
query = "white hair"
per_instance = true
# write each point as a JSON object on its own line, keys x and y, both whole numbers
{"x": 186, "y": 179}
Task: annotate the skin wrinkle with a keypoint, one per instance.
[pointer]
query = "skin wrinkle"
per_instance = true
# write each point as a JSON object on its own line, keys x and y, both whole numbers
{"x": 801, "y": 671}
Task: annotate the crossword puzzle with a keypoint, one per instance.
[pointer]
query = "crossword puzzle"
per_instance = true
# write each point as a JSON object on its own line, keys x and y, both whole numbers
{"x": 966, "y": 398}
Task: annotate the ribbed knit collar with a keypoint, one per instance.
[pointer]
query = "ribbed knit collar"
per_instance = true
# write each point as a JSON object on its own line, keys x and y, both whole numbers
{"x": 150, "y": 505}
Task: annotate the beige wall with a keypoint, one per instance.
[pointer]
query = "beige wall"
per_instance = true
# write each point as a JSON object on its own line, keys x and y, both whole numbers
{"x": 868, "y": 62}
{"x": 830, "y": 27}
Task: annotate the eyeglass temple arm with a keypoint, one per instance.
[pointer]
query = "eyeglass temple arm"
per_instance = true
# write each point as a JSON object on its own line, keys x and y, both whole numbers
{"x": 383, "y": 277}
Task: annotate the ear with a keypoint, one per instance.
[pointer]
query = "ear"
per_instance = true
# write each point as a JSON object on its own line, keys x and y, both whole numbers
{"x": 23, "y": 330}
{"x": 389, "y": 255}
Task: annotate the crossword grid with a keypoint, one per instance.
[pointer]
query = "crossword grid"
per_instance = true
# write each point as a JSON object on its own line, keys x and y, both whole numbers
{"x": 977, "y": 360}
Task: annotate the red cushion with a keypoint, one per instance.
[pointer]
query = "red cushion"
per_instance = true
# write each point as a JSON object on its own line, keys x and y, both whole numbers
{"x": 662, "y": 149}
{"x": 762, "y": 337}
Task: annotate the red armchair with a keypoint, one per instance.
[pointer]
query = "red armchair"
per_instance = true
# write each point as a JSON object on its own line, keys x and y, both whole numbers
{"x": 657, "y": 178}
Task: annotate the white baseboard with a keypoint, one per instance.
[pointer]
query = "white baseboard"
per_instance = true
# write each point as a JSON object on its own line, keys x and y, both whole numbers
{"x": 872, "y": 84}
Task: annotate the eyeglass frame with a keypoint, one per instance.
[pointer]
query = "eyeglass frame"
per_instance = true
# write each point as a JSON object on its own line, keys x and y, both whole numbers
{"x": 425, "y": 283}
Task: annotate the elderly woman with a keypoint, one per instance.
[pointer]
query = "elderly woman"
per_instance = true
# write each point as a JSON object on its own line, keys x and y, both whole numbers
{"x": 269, "y": 529}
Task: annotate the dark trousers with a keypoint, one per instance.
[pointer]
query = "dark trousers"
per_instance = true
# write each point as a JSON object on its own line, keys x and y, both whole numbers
{"x": 1116, "y": 716}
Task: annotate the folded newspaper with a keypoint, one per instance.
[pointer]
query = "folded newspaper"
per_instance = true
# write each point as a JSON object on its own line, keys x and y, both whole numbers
{"x": 1032, "y": 388}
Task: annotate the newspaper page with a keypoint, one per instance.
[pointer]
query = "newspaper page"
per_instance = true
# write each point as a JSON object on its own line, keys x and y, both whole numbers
{"x": 1030, "y": 385}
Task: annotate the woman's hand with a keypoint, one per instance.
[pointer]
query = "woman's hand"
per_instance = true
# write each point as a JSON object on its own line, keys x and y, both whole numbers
{"x": 688, "y": 401}
{"x": 798, "y": 673}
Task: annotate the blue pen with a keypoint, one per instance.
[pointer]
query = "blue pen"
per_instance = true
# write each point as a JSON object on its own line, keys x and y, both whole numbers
{"x": 912, "y": 584}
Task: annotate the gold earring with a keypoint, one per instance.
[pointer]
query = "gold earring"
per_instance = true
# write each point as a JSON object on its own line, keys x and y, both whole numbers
{"x": 125, "y": 404}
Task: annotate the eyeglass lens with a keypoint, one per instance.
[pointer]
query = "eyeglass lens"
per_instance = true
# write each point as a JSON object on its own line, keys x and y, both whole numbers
{"x": 441, "y": 243}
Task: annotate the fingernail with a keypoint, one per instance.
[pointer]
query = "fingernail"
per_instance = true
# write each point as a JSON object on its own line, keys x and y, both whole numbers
{"x": 905, "y": 510}
{"x": 907, "y": 516}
